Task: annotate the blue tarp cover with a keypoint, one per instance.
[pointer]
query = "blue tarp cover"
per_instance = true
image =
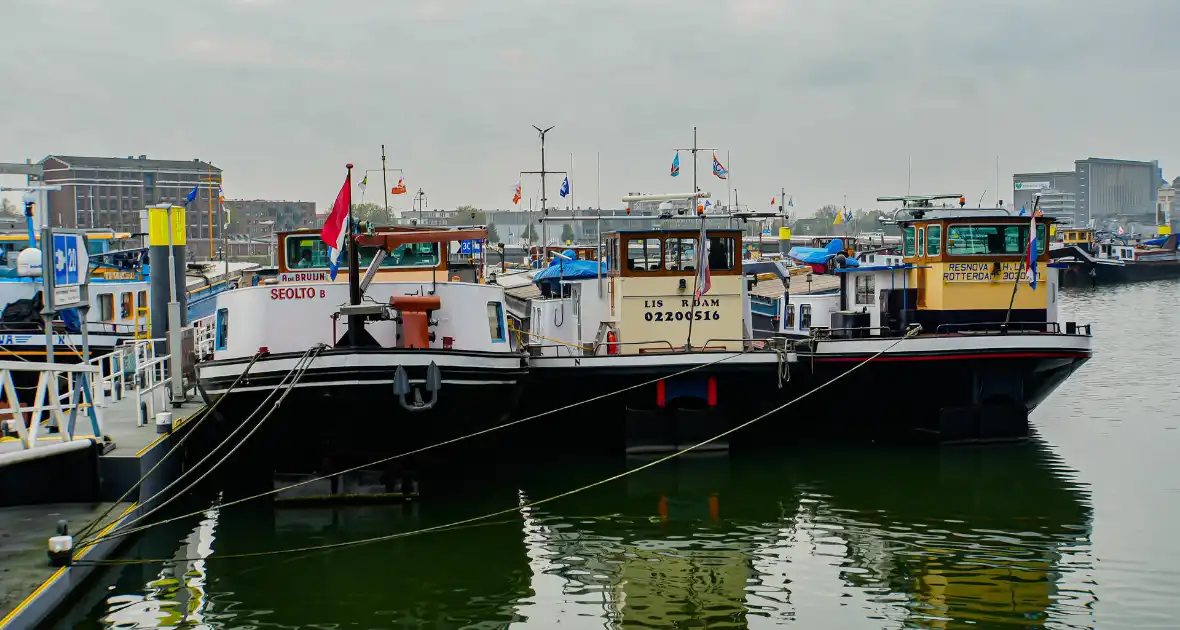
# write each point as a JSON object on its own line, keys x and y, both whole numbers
{"x": 569, "y": 270}
{"x": 820, "y": 255}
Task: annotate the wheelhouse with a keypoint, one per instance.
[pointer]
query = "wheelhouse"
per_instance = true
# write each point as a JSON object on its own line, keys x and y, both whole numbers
{"x": 304, "y": 257}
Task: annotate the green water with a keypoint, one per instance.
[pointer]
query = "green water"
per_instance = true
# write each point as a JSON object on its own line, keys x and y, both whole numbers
{"x": 1073, "y": 530}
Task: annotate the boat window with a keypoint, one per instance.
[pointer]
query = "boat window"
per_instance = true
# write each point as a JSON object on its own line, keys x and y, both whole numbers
{"x": 721, "y": 253}
{"x": 613, "y": 263}
{"x": 222, "y": 328}
{"x": 106, "y": 307}
{"x": 126, "y": 305}
{"x": 141, "y": 301}
{"x": 496, "y": 321}
{"x": 907, "y": 241}
{"x": 921, "y": 241}
{"x": 981, "y": 240}
{"x": 933, "y": 240}
{"x": 308, "y": 251}
{"x": 644, "y": 254}
{"x": 790, "y": 321}
{"x": 865, "y": 289}
{"x": 804, "y": 316}
{"x": 682, "y": 254}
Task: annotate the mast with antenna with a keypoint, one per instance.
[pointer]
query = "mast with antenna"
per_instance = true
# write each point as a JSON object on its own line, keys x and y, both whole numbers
{"x": 543, "y": 173}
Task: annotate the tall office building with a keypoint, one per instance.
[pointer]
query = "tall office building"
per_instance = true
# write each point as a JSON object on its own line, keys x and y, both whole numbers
{"x": 1098, "y": 191}
{"x": 1116, "y": 190}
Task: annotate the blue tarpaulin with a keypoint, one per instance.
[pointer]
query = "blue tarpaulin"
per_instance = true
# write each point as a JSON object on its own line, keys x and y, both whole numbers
{"x": 820, "y": 255}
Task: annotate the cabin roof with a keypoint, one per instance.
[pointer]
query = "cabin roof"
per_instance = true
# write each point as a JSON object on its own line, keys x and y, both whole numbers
{"x": 675, "y": 231}
{"x": 976, "y": 215}
{"x": 774, "y": 289}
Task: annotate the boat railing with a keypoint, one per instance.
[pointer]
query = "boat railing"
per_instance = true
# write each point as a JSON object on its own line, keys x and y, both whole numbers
{"x": 1000, "y": 328}
{"x": 205, "y": 336}
{"x": 51, "y": 406}
{"x": 152, "y": 378}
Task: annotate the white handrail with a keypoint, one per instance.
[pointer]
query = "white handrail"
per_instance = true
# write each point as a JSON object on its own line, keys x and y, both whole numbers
{"x": 62, "y": 407}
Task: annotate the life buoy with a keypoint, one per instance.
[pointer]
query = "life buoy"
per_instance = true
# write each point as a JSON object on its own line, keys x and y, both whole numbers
{"x": 612, "y": 343}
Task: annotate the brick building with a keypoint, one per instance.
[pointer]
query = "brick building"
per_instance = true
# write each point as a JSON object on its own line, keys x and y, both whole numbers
{"x": 105, "y": 192}
{"x": 262, "y": 217}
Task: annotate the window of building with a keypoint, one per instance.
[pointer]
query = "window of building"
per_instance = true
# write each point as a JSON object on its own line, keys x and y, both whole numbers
{"x": 981, "y": 240}
{"x": 804, "y": 316}
{"x": 126, "y": 305}
{"x": 865, "y": 289}
{"x": 644, "y": 254}
{"x": 682, "y": 254}
{"x": 908, "y": 235}
{"x": 496, "y": 321}
{"x": 222, "y": 332}
{"x": 933, "y": 240}
{"x": 790, "y": 323}
{"x": 106, "y": 307}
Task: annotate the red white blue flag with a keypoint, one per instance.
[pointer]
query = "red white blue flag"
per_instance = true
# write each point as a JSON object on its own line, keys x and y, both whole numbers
{"x": 336, "y": 226}
{"x": 1032, "y": 253}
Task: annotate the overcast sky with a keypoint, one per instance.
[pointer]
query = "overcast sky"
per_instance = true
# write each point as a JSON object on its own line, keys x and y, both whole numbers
{"x": 823, "y": 97}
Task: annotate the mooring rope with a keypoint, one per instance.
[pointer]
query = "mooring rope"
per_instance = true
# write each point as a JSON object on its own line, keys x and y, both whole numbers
{"x": 516, "y": 508}
{"x": 124, "y": 532}
{"x": 296, "y": 372}
{"x": 205, "y": 413}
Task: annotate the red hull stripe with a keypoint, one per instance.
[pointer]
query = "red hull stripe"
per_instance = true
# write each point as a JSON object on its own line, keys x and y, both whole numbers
{"x": 958, "y": 357}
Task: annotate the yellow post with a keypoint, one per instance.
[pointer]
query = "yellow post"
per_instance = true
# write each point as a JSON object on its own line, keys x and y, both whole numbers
{"x": 784, "y": 233}
{"x": 158, "y": 226}
{"x": 1165, "y": 230}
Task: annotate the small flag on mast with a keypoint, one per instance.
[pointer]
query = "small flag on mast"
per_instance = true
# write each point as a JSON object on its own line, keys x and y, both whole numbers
{"x": 565, "y": 187}
{"x": 773, "y": 200}
{"x": 400, "y": 189}
{"x": 516, "y": 193}
{"x": 363, "y": 184}
{"x": 676, "y": 165}
{"x": 192, "y": 194}
{"x": 718, "y": 168}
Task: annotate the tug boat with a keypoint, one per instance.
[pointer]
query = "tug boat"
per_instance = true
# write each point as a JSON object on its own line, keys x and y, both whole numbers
{"x": 981, "y": 337}
{"x": 593, "y": 328}
{"x": 413, "y": 354}
{"x": 1091, "y": 258}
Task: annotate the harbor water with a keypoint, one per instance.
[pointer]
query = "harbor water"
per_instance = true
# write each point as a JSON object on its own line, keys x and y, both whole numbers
{"x": 1075, "y": 529}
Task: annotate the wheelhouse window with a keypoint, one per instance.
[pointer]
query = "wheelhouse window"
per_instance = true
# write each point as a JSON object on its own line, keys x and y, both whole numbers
{"x": 865, "y": 288}
{"x": 496, "y": 321}
{"x": 907, "y": 241}
{"x": 106, "y": 307}
{"x": 933, "y": 240}
{"x": 804, "y": 316}
{"x": 308, "y": 251}
{"x": 790, "y": 318}
{"x": 721, "y": 253}
{"x": 126, "y": 305}
{"x": 682, "y": 254}
{"x": 644, "y": 254}
{"x": 222, "y": 332}
{"x": 964, "y": 239}
{"x": 921, "y": 241}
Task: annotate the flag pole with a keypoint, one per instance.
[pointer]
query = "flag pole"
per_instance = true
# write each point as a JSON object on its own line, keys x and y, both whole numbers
{"x": 1020, "y": 272}
{"x": 384, "y": 184}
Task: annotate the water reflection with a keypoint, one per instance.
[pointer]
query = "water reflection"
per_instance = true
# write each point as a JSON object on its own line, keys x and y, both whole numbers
{"x": 827, "y": 536}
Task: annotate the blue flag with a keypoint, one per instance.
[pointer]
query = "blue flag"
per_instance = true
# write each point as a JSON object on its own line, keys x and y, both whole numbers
{"x": 565, "y": 187}
{"x": 1022, "y": 211}
{"x": 676, "y": 165}
{"x": 192, "y": 194}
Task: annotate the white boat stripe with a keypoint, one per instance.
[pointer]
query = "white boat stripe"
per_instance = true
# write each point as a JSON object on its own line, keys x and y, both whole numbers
{"x": 383, "y": 381}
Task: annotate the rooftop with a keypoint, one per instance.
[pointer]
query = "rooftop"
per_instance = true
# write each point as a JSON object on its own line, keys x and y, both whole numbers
{"x": 141, "y": 162}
